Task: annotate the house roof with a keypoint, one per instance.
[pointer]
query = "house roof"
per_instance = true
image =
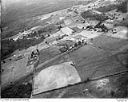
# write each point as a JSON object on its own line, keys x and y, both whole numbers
{"x": 66, "y": 30}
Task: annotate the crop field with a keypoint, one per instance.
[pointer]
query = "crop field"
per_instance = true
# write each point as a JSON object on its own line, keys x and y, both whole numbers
{"x": 91, "y": 90}
{"x": 48, "y": 53}
{"x": 109, "y": 43}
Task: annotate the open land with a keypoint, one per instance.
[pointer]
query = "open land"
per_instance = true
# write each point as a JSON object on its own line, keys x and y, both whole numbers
{"x": 92, "y": 37}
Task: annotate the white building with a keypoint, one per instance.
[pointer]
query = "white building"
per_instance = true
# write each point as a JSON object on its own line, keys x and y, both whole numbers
{"x": 57, "y": 34}
{"x": 82, "y": 26}
{"x": 66, "y": 30}
{"x": 69, "y": 38}
{"x": 68, "y": 22}
{"x": 93, "y": 22}
{"x": 109, "y": 24}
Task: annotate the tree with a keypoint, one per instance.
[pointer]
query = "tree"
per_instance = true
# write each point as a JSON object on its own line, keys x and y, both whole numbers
{"x": 123, "y": 7}
{"x": 75, "y": 45}
{"x": 7, "y": 47}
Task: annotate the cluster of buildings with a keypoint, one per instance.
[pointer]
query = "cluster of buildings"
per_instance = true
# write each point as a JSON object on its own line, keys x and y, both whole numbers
{"x": 25, "y": 33}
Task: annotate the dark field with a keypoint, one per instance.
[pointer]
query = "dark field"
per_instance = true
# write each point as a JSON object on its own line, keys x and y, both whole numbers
{"x": 48, "y": 53}
{"x": 108, "y": 43}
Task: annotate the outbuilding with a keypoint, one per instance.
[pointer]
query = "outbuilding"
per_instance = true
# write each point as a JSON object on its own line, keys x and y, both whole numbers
{"x": 120, "y": 32}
